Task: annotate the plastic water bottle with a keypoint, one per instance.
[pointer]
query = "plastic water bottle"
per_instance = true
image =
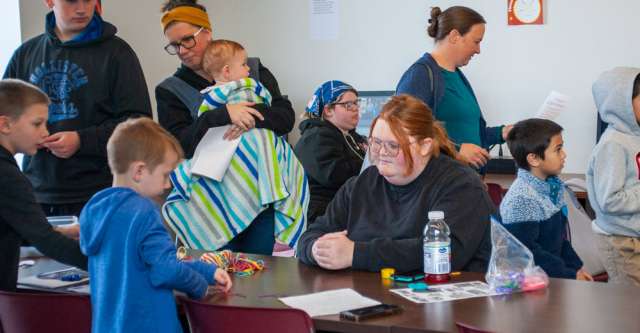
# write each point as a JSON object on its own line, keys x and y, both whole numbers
{"x": 437, "y": 249}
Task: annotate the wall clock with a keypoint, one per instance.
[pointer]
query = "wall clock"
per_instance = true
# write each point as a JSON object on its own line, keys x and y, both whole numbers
{"x": 522, "y": 12}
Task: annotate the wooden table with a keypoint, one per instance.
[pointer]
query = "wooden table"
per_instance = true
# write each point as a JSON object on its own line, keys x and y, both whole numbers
{"x": 566, "y": 306}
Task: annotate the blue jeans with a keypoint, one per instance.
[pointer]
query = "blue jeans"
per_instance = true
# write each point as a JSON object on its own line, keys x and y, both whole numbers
{"x": 258, "y": 238}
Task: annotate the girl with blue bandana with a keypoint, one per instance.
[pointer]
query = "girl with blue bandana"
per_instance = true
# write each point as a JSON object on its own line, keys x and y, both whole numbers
{"x": 329, "y": 148}
{"x": 534, "y": 210}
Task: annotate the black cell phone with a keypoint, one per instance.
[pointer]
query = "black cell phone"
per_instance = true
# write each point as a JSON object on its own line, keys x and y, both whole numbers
{"x": 408, "y": 276}
{"x": 370, "y": 312}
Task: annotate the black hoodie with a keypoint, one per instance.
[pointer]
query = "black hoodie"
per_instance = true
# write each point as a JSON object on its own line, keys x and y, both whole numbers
{"x": 93, "y": 85}
{"x": 329, "y": 158}
{"x": 21, "y": 219}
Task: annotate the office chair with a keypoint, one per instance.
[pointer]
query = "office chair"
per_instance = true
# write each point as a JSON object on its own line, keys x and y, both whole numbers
{"x": 205, "y": 317}
{"x": 464, "y": 328}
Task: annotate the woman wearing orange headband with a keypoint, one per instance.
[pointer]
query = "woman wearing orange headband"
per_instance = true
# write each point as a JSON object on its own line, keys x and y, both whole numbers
{"x": 187, "y": 28}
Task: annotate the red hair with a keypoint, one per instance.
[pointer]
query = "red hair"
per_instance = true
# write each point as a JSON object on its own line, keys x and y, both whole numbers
{"x": 408, "y": 117}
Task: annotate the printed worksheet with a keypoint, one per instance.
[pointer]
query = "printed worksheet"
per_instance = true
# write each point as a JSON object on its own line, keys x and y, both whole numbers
{"x": 446, "y": 292}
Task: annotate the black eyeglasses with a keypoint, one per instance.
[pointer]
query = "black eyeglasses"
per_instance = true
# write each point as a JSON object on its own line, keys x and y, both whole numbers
{"x": 349, "y": 105}
{"x": 187, "y": 42}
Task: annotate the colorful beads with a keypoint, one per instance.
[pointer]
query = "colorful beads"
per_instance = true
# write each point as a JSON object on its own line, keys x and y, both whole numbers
{"x": 237, "y": 263}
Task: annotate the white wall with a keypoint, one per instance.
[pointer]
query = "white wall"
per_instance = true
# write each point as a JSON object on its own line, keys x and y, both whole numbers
{"x": 379, "y": 39}
{"x": 10, "y": 27}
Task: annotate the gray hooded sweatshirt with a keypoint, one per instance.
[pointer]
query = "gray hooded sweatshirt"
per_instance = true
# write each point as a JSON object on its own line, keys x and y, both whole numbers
{"x": 613, "y": 176}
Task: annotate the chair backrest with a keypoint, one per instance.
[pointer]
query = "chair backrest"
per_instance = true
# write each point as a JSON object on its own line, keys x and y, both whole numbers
{"x": 496, "y": 192}
{"x": 582, "y": 239}
{"x": 464, "y": 328}
{"x": 205, "y": 317}
{"x": 32, "y": 313}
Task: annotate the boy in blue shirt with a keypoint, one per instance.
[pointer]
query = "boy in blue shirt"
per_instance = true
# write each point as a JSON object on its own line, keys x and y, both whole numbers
{"x": 132, "y": 260}
{"x": 534, "y": 210}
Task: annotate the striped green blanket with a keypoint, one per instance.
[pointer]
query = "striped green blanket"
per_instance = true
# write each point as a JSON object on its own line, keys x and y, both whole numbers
{"x": 206, "y": 214}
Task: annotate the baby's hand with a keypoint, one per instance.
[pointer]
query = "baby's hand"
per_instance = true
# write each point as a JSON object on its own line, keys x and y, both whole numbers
{"x": 223, "y": 280}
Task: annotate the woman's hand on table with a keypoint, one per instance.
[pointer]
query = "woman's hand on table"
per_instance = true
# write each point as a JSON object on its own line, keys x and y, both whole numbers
{"x": 333, "y": 250}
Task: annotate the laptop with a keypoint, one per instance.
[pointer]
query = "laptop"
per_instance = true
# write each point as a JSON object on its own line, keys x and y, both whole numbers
{"x": 370, "y": 106}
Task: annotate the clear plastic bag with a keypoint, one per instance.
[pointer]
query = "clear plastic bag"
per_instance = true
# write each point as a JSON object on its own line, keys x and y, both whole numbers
{"x": 511, "y": 268}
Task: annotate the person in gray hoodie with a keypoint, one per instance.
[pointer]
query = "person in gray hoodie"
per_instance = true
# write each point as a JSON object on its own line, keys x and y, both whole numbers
{"x": 613, "y": 175}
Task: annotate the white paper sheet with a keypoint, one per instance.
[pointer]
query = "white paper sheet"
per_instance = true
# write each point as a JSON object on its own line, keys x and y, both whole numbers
{"x": 554, "y": 105}
{"x": 324, "y": 22}
{"x": 82, "y": 289}
{"x": 446, "y": 292}
{"x": 213, "y": 154}
{"x": 329, "y": 302}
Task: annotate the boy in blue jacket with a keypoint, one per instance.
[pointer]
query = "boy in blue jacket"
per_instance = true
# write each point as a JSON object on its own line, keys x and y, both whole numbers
{"x": 132, "y": 260}
{"x": 534, "y": 210}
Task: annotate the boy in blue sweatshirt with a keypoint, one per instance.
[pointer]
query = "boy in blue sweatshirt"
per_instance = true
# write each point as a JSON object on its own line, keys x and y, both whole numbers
{"x": 132, "y": 260}
{"x": 534, "y": 210}
{"x": 613, "y": 176}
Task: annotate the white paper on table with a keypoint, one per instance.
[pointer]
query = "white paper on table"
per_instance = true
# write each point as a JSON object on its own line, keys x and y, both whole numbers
{"x": 213, "y": 154}
{"x": 555, "y": 104}
{"x": 324, "y": 22}
{"x": 81, "y": 289}
{"x": 329, "y": 302}
{"x": 447, "y": 292}
{"x": 53, "y": 279}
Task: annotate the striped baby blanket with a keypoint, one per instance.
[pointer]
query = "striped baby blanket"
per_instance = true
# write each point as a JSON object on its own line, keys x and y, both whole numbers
{"x": 206, "y": 214}
{"x": 245, "y": 90}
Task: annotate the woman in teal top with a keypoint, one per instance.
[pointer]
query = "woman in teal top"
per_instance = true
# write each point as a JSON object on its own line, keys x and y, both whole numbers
{"x": 437, "y": 80}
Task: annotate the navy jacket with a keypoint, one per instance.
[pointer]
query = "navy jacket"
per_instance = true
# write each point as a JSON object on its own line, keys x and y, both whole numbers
{"x": 534, "y": 212}
{"x": 424, "y": 81}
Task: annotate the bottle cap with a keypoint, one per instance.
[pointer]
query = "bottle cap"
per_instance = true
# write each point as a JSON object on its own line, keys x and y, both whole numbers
{"x": 436, "y": 215}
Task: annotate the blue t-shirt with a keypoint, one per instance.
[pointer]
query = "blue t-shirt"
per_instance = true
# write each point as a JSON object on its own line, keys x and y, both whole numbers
{"x": 459, "y": 110}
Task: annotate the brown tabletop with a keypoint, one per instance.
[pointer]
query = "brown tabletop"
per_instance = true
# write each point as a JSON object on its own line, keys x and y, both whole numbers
{"x": 566, "y": 306}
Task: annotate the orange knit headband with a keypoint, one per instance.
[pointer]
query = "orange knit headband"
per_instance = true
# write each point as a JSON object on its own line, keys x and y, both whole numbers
{"x": 186, "y": 14}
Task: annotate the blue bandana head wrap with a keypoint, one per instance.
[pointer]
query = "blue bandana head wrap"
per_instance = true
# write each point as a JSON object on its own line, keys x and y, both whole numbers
{"x": 327, "y": 93}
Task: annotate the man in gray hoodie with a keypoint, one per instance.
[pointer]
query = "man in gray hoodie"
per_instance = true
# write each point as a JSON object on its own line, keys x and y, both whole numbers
{"x": 613, "y": 176}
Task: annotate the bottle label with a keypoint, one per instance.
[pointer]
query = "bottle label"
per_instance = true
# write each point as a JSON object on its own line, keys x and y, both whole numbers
{"x": 437, "y": 257}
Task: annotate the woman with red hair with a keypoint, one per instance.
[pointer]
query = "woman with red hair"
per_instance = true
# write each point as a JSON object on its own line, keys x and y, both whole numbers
{"x": 377, "y": 219}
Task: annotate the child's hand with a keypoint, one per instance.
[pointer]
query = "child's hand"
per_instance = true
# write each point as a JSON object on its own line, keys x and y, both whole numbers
{"x": 582, "y": 275}
{"x": 223, "y": 280}
{"x": 71, "y": 230}
{"x": 63, "y": 144}
{"x": 233, "y": 133}
{"x": 243, "y": 116}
